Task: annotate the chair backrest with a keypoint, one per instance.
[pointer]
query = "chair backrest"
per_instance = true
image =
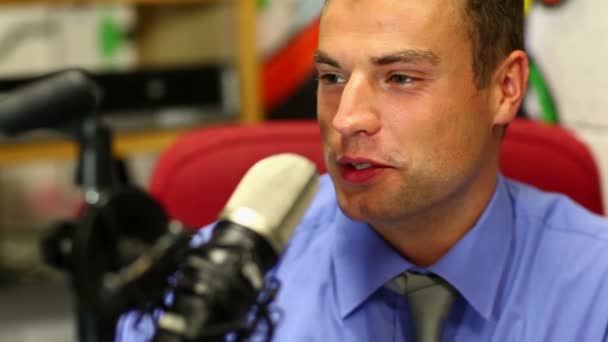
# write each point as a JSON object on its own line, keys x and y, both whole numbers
{"x": 553, "y": 159}
{"x": 194, "y": 178}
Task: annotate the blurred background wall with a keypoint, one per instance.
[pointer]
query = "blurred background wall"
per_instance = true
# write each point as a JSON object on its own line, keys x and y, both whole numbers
{"x": 165, "y": 67}
{"x": 570, "y": 45}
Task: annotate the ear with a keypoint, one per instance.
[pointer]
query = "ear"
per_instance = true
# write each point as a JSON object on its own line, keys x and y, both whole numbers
{"x": 509, "y": 86}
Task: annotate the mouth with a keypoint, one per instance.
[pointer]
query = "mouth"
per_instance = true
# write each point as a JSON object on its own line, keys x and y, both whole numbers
{"x": 360, "y": 166}
{"x": 360, "y": 163}
{"x": 360, "y": 170}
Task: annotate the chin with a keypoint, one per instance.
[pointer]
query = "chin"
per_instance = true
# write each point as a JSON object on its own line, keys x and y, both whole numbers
{"x": 354, "y": 215}
{"x": 355, "y": 209}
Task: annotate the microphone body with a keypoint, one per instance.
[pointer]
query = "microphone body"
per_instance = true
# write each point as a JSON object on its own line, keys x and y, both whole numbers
{"x": 48, "y": 102}
{"x": 221, "y": 280}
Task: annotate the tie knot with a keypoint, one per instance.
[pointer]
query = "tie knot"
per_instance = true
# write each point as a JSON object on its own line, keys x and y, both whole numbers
{"x": 416, "y": 282}
{"x": 429, "y": 298}
{"x": 409, "y": 282}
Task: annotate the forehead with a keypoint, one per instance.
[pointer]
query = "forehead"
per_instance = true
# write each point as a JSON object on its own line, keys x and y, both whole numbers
{"x": 391, "y": 24}
{"x": 460, "y": 5}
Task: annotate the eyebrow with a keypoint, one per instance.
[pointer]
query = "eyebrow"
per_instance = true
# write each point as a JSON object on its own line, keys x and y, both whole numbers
{"x": 409, "y": 56}
{"x": 323, "y": 58}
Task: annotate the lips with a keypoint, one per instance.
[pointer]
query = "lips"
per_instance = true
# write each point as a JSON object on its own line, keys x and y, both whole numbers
{"x": 360, "y": 171}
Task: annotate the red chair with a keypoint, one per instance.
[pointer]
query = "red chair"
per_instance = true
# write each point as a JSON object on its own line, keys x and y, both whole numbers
{"x": 194, "y": 178}
{"x": 552, "y": 159}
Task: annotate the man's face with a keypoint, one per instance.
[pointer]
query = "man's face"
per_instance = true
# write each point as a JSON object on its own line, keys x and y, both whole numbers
{"x": 404, "y": 127}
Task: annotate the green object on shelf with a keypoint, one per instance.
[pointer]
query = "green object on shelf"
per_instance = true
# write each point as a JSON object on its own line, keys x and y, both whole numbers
{"x": 111, "y": 37}
{"x": 538, "y": 84}
{"x": 263, "y": 3}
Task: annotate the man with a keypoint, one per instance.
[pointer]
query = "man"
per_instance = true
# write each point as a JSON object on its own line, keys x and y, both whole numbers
{"x": 413, "y": 100}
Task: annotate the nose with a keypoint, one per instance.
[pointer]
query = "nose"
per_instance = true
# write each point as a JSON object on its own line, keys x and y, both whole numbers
{"x": 356, "y": 112}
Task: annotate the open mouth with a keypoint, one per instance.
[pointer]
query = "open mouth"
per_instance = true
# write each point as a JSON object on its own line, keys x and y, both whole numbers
{"x": 360, "y": 171}
{"x": 360, "y": 166}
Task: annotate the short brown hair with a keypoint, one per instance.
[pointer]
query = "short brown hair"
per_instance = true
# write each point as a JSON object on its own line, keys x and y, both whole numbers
{"x": 496, "y": 28}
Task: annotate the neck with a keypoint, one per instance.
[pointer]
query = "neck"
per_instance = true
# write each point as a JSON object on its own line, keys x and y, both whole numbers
{"x": 427, "y": 236}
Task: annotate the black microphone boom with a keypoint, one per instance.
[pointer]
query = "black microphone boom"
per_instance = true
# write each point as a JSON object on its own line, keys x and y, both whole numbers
{"x": 48, "y": 102}
{"x": 221, "y": 280}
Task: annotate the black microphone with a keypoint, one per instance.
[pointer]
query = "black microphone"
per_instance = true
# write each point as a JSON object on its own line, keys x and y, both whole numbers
{"x": 48, "y": 102}
{"x": 221, "y": 280}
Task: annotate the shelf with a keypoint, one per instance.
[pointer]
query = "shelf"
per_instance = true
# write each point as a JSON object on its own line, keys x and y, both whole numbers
{"x": 102, "y": 2}
{"x": 246, "y": 60}
{"x": 125, "y": 145}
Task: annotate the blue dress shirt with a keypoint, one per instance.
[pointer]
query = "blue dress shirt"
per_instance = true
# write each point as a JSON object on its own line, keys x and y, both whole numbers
{"x": 534, "y": 268}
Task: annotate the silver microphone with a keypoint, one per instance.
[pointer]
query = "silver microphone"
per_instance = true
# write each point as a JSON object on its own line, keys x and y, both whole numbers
{"x": 222, "y": 279}
{"x": 272, "y": 197}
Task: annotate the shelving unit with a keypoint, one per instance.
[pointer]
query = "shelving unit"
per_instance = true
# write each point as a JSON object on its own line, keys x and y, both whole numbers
{"x": 246, "y": 60}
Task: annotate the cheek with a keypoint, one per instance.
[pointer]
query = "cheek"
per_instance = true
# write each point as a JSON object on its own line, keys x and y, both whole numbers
{"x": 459, "y": 140}
{"x": 324, "y": 113}
{"x": 328, "y": 100}
{"x": 325, "y": 117}
{"x": 435, "y": 135}
{"x": 325, "y": 124}
{"x": 414, "y": 124}
{"x": 327, "y": 106}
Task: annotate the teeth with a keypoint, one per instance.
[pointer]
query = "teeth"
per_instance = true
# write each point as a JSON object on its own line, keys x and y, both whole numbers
{"x": 362, "y": 166}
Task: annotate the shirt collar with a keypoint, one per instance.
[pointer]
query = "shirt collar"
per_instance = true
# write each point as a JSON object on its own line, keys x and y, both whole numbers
{"x": 363, "y": 262}
{"x": 475, "y": 266}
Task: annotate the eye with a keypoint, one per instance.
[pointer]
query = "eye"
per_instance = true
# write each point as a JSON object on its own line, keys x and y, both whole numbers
{"x": 331, "y": 78}
{"x": 401, "y": 79}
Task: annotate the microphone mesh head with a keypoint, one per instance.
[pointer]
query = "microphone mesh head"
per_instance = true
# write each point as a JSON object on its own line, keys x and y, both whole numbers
{"x": 272, "y": 197}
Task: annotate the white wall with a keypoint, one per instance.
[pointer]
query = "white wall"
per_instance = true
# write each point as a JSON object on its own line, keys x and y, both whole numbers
{"x": 53, "y": 37}
{"x": 282, "y": 19}
{"x": 570, "y": 44}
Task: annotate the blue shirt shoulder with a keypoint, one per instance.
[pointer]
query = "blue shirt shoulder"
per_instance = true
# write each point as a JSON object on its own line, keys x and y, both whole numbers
{"x": 531, "y": 269}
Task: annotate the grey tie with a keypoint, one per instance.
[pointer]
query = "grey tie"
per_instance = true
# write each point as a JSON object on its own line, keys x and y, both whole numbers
{"x": 429, "y": 298}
